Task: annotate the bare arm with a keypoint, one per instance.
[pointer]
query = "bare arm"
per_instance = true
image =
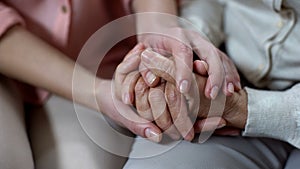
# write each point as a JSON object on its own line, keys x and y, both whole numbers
{"x": 27, "y": 58}
{"x": 166, "y": 6}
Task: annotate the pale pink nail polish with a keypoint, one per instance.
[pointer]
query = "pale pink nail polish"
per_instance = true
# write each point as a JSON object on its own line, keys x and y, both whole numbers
{"x": 230, "y": 88}
{"x": 152, "y": 135}
{"x": 184, "y": 86}
{"x": 214, "y": 92}
{"x": 150, "y": 77}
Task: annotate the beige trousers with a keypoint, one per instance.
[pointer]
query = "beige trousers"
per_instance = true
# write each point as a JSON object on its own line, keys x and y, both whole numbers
{"x": 52, "y": 137}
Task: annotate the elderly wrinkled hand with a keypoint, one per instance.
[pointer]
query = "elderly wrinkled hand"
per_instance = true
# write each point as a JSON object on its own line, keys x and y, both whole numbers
{"x": 150, "y": 102}
{"x": 180, "y": 43}
{"x": 235, "y": 106}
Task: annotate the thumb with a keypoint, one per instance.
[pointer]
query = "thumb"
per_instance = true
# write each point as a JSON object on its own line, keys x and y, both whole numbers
{"x": 159, "y": 65}
{"x": 136, "y": 124}
{"x": 201, "y": 67}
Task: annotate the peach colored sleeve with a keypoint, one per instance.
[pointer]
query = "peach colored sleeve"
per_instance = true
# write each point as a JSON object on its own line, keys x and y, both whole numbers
{"x": 8, "y": 17}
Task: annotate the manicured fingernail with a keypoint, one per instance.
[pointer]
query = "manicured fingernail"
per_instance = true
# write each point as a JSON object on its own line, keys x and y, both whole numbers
{"x": 214, "y": 92}
{"x": 152, "y": 135}
{"x": 150, "y": 77}
{"x": 184, "y": 86}
{"x": 230, "y": 88}
{"x": 147, "y": 55}
{"x": 221, "y": 125}
{"x": 126, "y": 98}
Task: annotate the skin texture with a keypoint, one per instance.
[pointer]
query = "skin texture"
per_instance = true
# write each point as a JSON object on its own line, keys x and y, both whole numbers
{"x": 39, "y": 64}
{"x": 170, "y": 39}
{"x": 235, "y": 112}
{"x": 168, "y": 106}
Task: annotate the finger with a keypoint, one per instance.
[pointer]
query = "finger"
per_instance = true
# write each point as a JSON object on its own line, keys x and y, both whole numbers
{"x": 150, "y": 79}
{"x": 140, "y": 126}
{"x": 135, "y": 51}
{"x": 201, "y": 67}
{"x": 209, "y": 124}
{"x": 164, "y": 67}
{"x": 128, "y": 87}
{"x": 160, "y": 112}
{"x": 124, "y": 115}
{"x": 232, "y": 78}
{"x": 159, "y": 65}
{"x": 228, "y": 131}
{"x": 141, "y": 100}
{"x": 130, "y": 63}
{"x": 183, "y": 56}
{"x": 193, "y": 98}
{"x": 210, "y": 54}
{"x": 179, "y": 113}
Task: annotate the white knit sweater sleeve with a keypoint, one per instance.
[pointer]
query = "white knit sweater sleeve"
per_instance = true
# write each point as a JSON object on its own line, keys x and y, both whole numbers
{"x": 274, "y": 114}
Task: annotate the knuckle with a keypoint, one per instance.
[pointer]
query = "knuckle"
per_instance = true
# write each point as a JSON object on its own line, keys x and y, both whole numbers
{"x": 164, "y": 123}
{"x": 184, "y": 49}
{"x": 118, "y": 68}
{"x": 229, "y": 77}
{"x": 172, "y": 95}
{"x": 146, "y": 114}
{"x": 156, "y": 96}
{"x": 140, "y": 88}
{"x": 183, "y": 125}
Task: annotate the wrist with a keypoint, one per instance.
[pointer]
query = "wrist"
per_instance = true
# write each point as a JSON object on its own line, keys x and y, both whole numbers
{"x": 155, "y": 14}
{"x": 102, "y": 86}
{"x": 155, "y": 23}
{"x": 236, "y": 109}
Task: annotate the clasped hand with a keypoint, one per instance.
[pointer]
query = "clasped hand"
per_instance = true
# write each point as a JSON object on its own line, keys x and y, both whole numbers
{"x": 162, "y": 103}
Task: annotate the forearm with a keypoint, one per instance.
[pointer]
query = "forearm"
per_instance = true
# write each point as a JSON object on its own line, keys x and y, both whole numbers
{"x": 155, "y": 21}
{"x": 165, "y": 6}
{"x": 27, "y": 58}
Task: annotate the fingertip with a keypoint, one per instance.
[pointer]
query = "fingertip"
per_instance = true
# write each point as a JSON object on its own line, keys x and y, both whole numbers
{"x": 151, "y": 79}
{"x": 147, "y": 56}
{"x": 207, "y": 92}
{"x": 153, "y": 134}
{"x": 214, "y": 92}
{"x": 190, "y": 136}
{"x": 127, "y": 99}
{"x": 201, "y": 67}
